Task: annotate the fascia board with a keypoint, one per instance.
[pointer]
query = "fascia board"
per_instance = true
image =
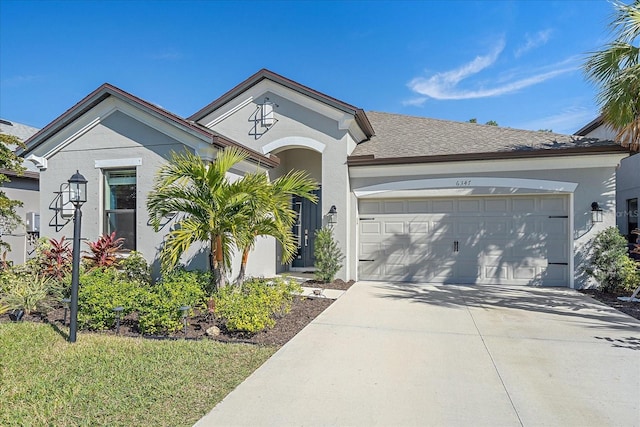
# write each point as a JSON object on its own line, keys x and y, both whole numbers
{"x": 480, "y": 166}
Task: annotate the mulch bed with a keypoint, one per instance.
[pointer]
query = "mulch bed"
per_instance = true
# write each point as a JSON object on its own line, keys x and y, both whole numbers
{"x": 611, "y": 299}
{"x": 303, "y": 311}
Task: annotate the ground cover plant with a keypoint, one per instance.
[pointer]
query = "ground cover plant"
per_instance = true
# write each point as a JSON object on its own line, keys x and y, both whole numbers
{"x": 108, "y": 380}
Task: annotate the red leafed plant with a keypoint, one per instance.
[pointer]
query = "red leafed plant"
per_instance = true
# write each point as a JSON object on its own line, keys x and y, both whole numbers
{"x": 56, "y": 259}
{"x": 104, "y": 250}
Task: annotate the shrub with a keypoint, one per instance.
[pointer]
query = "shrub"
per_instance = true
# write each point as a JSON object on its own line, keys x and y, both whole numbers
{"x": 610, "y": 263}
{"x": 104, "y": 251}
{"x": 251, "y": 306}
{"x": 100, "y": 291}
{"x": 27, "y": 291}
{"x": 328, "y": 255}
{"x": 135, "y": 268}
{"x": 159, "y": 309}
{"x": 55, "y": 258}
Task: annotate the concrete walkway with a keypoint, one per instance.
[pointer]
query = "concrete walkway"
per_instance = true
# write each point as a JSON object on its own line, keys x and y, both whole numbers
{"x": 418, "y": 355}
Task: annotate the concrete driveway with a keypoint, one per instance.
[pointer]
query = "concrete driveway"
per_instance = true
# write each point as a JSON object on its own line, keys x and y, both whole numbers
{"x": 415, "y": 355}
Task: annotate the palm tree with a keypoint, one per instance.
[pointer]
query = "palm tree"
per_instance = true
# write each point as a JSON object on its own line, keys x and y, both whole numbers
{"x": 275, "y": 218}
{"x": 204, "y": 205}
{"x": 616, "y": 71}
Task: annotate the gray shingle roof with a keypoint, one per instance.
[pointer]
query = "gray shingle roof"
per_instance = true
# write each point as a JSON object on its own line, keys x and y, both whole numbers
{"x": 400, "y": 136}
{"x": 23, "y": 132}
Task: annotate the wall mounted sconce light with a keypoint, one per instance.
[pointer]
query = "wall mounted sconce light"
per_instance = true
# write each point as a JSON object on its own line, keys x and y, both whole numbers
{"x": 596, "y": 212}
{"x": 332, "y": 215}
{"x": 267, "y": 117}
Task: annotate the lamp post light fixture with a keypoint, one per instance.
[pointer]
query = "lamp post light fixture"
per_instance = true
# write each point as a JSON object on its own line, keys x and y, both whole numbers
{"x": 77, "y": 196}
{"x": 332, "y": 215}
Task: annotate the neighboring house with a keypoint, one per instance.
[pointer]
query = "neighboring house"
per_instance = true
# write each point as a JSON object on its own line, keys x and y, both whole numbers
{"x": 627, "y": 180}
{"x": 24, "y": 188}
{"x": 417, "y": 199}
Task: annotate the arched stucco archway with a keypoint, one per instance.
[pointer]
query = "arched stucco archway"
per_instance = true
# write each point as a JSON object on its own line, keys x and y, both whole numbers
{"x": 309, "y": 214}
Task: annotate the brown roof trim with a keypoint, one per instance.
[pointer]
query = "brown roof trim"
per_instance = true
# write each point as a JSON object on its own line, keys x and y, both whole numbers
{"x": 25, "y": 174}
{"x": 369, "y": 160}
{"x": 106, "y": 90}
{"x": 360, "y": 116}
{"x": 592, "y": 125}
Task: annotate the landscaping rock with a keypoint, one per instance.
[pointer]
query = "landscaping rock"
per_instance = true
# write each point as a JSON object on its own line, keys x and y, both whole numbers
{"x": 213, "y": 331}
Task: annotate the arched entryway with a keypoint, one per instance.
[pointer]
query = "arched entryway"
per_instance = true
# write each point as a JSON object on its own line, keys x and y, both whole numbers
{"x": 309, "y": 214}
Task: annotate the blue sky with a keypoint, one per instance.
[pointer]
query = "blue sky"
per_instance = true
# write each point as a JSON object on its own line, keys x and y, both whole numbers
{"x": 515, "y": 62}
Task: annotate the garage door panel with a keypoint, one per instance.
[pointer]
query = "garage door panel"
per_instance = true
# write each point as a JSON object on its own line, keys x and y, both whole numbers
{"x": 524, "y": 272}
{"x": 556, "y": 205}
{"x": 417, "y": 228}
{"x": 394, "y": 227}
{"x": 500, "y": 205}
{"x": 393, "y": 207}
{"x": 443, "y": 206}
{"x": 420, "y": 206}
{"x": 370, "y": 227}
{"x": 442, "y": 228}
{"x": 497, "y": 272}
{"x": 523, "y": 205}
{"x": 472, "y": 205}
{"x": 468, "y": 272}
{"x": 555, "y": 275}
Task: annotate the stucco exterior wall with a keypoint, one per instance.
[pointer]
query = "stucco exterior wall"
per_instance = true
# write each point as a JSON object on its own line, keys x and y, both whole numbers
{"x": 627, "y": 187}
{"x": 22, "y": 244}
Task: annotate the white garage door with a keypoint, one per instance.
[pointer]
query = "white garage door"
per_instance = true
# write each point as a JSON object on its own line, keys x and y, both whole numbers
{"x": 489, "y": 240}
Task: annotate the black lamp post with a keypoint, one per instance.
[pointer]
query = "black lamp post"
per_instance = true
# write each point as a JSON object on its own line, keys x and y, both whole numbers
{"x": 77, "y": 195}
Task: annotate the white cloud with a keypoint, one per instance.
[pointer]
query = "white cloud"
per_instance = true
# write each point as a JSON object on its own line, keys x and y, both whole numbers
{"x": 533, "y": 41}
{"x": 416, "y": 102}
{"x": 567, "y": 121}
{"x": 444, "y": 86}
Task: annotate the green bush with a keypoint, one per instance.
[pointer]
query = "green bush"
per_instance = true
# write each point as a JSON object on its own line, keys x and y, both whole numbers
{"x": 135, "y": 268}
{"x": 251, "y": 307}
{"x": 328, "y": 255}
{"x": 27, "y": 291}
{"x": 100, "y": 291}
{"x": 159, "y": 309}
{"x": 610, "y": 263}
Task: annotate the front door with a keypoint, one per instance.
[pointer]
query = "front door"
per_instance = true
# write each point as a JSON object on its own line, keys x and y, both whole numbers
{"x": 308, "y": 221}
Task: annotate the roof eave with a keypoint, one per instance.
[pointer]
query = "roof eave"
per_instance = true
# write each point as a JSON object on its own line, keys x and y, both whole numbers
{"x": 370, "y": 160}
{"x": 265, "y": 74}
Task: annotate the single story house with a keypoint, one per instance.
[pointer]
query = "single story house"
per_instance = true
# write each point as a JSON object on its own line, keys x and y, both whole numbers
{"x": 25, "y": 188}
{"x": 627, "y": 180}
{"x": 417, "y": 199}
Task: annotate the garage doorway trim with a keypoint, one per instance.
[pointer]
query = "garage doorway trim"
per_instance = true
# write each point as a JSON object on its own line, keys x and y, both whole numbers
{"x": 461, "y": 183}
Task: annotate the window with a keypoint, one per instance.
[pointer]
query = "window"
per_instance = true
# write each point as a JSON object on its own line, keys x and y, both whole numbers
{"x": 632, "y": 219}
{"x": 120, "y": 205}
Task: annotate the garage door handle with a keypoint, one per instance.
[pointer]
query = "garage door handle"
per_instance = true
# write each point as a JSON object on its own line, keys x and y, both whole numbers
{"x": 455, "y": 246}
{"x": 366, "y": 260}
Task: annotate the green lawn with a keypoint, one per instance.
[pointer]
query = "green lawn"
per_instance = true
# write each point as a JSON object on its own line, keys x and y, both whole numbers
{"x": 107, "y": 380}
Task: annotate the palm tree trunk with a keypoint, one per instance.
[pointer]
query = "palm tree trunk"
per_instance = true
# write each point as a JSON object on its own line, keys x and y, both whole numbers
{"x": 243, "y": 266}
{"x": 218, "y": 264}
